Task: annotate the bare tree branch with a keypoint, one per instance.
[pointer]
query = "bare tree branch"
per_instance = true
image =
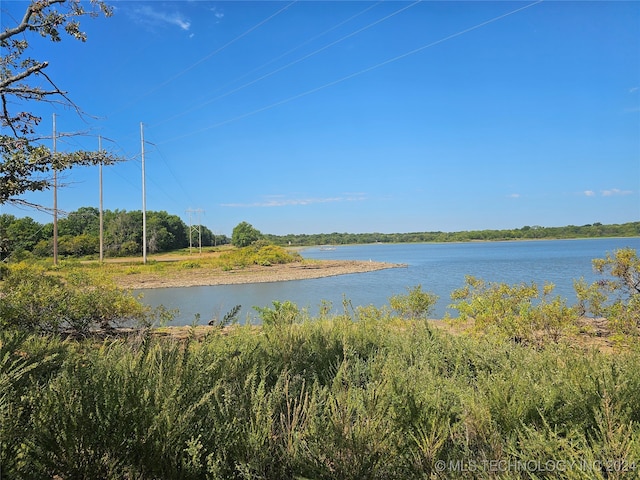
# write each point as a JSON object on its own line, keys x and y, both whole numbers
{"x": 18, "y": 202}
{"x": 5, "y": 114}
{"x": 16, "y": 78}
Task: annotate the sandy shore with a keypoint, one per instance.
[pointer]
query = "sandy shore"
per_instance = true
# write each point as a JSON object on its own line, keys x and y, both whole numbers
{"x": 253, "y": 274}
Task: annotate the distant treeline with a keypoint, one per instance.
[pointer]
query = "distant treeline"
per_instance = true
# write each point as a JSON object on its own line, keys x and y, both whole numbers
{"x": 595, "y": 230}
{"x": 79, "y": 234}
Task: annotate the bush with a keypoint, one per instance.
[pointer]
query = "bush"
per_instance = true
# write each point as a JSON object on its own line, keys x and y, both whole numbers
{"x": 416, "y": 304}
{"x": 128, "y": 248}
{"x": 190, "y": 264}
{"x": 35, "y": 300}
{"x": 258, "y": 253}
{"x": 617, "y": 296}
{"x": 272, "y": 255}
{"x": 522, "y": 312}
{"x": 282, "y": 314}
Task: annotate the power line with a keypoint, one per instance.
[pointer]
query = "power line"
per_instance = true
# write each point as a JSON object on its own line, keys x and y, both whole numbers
{"x": 173, "y": 174}
{"x": 355, "y": 74}
{"x": 297, "y": 47}
{"x": 208, "y": 56}
{"x": 201, "y": 104}
{"x": 151, "y": 178}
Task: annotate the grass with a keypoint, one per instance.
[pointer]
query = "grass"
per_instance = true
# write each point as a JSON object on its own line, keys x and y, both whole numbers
{"x": 372, "y": 393}
{"x": 177, "y": 264}
{"x": 329, "y": 398}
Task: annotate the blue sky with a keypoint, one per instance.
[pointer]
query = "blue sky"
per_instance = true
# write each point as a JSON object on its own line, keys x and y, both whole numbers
{"x": 316, "y": 117}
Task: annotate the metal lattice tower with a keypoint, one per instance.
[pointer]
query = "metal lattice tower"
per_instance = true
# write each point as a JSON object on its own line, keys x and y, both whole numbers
{"x": 195, "y": 228}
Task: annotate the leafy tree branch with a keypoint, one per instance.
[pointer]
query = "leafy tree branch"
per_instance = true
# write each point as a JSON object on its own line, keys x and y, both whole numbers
{"x": 26, "y": 164}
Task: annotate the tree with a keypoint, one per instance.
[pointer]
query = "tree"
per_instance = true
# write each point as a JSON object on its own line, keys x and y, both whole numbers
{"x": 18, "y": 235}
{"x": 624, "y": 266}
{"x": 85, "y": 220}
{"x": 617, "y": 296}
{"x": 123, "y": 232}
{"x": 25, "y": 233}
{"x": 25, "y": 163}
{"x": 165, "y": 232}
{"x": 244, "y": 234}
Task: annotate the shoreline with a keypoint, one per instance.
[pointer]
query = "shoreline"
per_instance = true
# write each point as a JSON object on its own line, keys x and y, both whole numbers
{"x": 252, "y": 274}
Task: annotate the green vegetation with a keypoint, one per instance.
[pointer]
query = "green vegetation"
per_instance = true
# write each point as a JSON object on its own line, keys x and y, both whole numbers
{"x": 258, "y": 253}
{"x": 244, "y": 234}
{"x": 416, "y": 304}
{"x": 23, "y": 238}
{"x": 84, "y": 301}
{"x": 523, "y": 313}
{"x": 361, "y": 395}
{"x": 325, "y": 399}
{"x": 79, "y": 234}
{"x": 631, "y": 229}
{"x": 616, "y": 297}
{"x": 226, "y": 258}
{"x": 26, "y": 163}
{"x": 369, "y": 393}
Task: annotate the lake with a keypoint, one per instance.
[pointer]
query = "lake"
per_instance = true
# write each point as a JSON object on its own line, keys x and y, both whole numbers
{"x": 439, "y": 267}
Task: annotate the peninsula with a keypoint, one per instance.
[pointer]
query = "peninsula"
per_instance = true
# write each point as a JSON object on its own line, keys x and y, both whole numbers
{"x": 204, "y": 276}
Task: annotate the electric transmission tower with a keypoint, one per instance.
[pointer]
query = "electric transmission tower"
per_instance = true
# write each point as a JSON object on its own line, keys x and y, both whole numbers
{"x": 195, "y": 228}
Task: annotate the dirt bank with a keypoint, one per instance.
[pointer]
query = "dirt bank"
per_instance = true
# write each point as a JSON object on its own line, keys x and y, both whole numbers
{"x": 253, "y": 274}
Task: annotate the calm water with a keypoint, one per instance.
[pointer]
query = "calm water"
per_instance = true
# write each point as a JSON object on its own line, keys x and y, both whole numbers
{"x": 439, "y": 268}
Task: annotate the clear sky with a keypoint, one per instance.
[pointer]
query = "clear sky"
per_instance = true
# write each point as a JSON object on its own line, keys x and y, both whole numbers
{"x": 317, "y": 117}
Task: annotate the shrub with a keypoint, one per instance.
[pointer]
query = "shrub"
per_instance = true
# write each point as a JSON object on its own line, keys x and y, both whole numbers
{"x": 271, "y": 255}
{"x": 128, "y": 248}
{"x": 519, "y": 312}
{"x": 190, "y": 264}
{"x": 617, "y": 296}
{"x": 416, "y": 304}
{"x": 282, "y": 314}
{"x": 258, "y": 253}
{"x": 35, "y": 300}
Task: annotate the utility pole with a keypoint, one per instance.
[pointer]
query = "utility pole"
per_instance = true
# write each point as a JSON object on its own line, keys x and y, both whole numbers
{"x": 193, "y": 227}
{"x": 101, "y": 219}
{"x": 144, "y": 201}
{"x": 55, "y": 198}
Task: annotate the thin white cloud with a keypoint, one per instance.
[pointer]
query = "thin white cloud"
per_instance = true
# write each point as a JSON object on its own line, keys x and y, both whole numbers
{"x": 217, "y": 13}
{"x": 614, "y": 192}
{"x": 153, "y": 16}
{"x": 514, "y": 195}
{"x": 281, "y": 201}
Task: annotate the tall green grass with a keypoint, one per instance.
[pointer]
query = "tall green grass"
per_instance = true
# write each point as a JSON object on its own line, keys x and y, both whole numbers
{"x": 333, "y": 398}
